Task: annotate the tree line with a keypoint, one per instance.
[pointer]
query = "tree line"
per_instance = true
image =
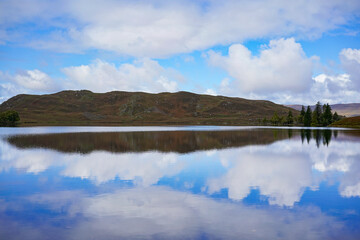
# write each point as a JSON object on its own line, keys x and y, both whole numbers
{"x": 9, "y": 118}
{"x": 322, "y": 116}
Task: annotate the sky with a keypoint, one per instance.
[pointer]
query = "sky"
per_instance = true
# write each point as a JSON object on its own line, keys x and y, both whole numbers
{"x": 289, "y": 52}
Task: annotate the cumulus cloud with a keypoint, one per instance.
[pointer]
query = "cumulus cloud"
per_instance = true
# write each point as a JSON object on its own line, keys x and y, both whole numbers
{"x": 100, "y": 76}
{"x": 162, "y": 28}
{"x": 34, "y": 80}
{"x": 143, "y": 75}
{"x": 7, "y": 90}
{"x": 339, "y": 88}
{"x": 282, "y": 73}
{"x": 350, "y": 60}
{"x": 29, "y": 81}
{"x": 334, "y": 89}
{"x": 280, "y": 66}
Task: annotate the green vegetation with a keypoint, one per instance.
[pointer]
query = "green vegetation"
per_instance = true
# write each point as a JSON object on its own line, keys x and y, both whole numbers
{"x": 9, "y": 118}
{"x": 321, "y": 116}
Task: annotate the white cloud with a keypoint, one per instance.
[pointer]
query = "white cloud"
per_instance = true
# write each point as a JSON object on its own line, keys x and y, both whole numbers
{"x": 280, "y": 66}
{"x": 162, "y": 28}
{"x": 350, "y": 60}
{"x": 325, "y": 88}
{"x": 34, "y": 80}
{"x": 351, "y": 55}
{"x": 282, "y": 73}
{"x": 29, "y": 81}
{"x": 7, "y": 90}
{"x": 333, "y": 89}
{"x": 210, "y": 91}
{"x": 351, "y": 191}
{"x": 143, "y": 75}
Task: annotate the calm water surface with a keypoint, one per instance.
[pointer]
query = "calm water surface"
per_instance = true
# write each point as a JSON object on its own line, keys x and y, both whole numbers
{"x": 179, "y": 183}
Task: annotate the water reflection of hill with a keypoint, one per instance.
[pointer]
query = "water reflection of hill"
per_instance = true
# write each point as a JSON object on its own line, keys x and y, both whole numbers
{"x": 170, "y": 141}
{"x": 176, "y": 141}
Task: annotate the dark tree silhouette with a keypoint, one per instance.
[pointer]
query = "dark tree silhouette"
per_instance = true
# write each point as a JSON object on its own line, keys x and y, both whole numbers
{"x": 302, "y": 115}
{"x": 316, "y": 115}
{"x": 327, "y": 115}
{"x": 9, "y": 118}
{"x": 290, "y": 118}
{"x": 307, "y": 117}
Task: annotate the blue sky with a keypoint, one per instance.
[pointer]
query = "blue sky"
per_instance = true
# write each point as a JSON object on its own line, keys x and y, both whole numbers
{"x": 284, "y": 51}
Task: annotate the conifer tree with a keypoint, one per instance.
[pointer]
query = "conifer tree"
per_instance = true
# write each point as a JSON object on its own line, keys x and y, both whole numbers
{"x": 302, "y": 114}
{"x": 327, "y": 115}
{"x": 336, "y": 117}
{"x": 316, "y": 115}
{"x": 290, "y": 118}
{"x": 275, "y": 119}
{"x": 264, "y": 121}
{"x": 307, "y": 117}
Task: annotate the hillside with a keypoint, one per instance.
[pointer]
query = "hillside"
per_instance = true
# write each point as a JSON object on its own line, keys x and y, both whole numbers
{"x": 348, "y": 122}
{"x": 137, "y": 108}
{"x": 348, "y": 110}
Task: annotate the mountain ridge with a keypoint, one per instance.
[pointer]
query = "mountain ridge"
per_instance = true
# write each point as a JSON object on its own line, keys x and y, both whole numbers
{"x": 84, "y": 107}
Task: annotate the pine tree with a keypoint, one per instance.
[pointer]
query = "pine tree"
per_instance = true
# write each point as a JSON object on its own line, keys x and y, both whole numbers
{"x": 275, "y": 119}
{"x": 302, "y": 114}
{"x": 290, "y": 118}
{"x": 316, "y": 115}
{"x": 314, "y": 119}
{"x": 327, "y": 115}
{"x": 336, "y": 117}
{"x": 307, "y": 117}
{"x": 264, "y": 121}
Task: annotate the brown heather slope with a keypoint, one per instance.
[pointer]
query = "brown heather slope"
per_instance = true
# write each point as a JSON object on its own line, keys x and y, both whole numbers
{"x": 137, "y": 108}
{"x": 347, "y": 122}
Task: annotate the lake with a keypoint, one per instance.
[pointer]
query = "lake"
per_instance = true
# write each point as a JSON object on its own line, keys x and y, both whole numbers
{"x": 179, "y": 183}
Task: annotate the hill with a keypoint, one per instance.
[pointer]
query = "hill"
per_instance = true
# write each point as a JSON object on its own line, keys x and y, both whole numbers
{"x": 348, "y": 122}
{"x": 138, "y": 108}
{"x": 348, "y": 110}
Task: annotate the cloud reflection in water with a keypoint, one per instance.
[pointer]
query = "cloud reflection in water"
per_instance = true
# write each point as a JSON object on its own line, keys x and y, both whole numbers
{"x": 281, "y": 166}
{"x": 282, "y": 171}
{"x": 162, "y": 213}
